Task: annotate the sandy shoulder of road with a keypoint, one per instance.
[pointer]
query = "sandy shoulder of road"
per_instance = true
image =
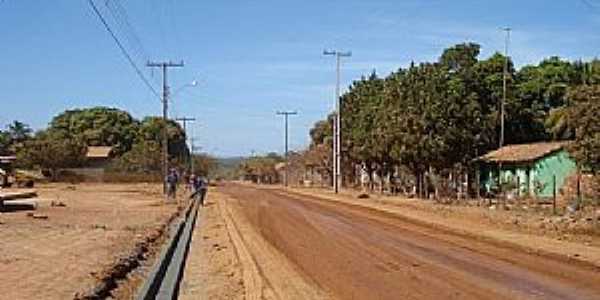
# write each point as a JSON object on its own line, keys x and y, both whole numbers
{"x": 474, "y": 222}
{"x": 228, "y": 259}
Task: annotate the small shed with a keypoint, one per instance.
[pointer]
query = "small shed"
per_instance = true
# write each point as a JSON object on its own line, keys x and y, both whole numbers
{"x": 529, "y": 168}
{"x": 98, "y": 156}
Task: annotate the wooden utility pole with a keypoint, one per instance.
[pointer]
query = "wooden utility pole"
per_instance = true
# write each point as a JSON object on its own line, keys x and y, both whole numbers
{"x": 337, "y": 137}
{"x": 286, "y": 114}
{"x": 165, "y": 101}
{"x": 504, "y": 86}
{"x": 184, "y": 121}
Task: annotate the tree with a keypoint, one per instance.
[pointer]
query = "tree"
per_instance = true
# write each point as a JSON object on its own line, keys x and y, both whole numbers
{"x": 434, "y": 118}
{"x": 204, "y": 164}
{"x": 584, "y": 116}
{"x": 144, "y": 157}
{"x": 261, "y": 169}
{"x": 4, "y": 143}
{"x": 151, "y": 129}
{"x": 319, "y": 154}
{"x": 18, "y": 132}
{"x": 52, "y": 152}
{"x": 362, "y": 129}
{"x": 98, "y": 126}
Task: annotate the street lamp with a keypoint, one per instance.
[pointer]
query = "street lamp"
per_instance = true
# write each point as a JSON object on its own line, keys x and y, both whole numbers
{"x": 181, "y": 88}
{"x": 186, "y": 119}
{"x": 337, "y": 144}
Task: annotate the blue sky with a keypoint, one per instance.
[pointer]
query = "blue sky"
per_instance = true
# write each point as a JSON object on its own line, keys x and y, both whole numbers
{"x": 252, "y": 58}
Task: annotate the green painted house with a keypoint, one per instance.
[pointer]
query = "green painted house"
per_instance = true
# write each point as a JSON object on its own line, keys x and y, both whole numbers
{"x": 530, "y": 167}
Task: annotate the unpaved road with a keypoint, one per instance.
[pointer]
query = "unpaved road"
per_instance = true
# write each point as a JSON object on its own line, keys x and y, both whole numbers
{"x": 229, "y": 259}
{"x": 357, "y": 253}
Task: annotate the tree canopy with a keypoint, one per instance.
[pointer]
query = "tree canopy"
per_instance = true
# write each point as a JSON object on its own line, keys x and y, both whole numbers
{"x": 441, "y": 115}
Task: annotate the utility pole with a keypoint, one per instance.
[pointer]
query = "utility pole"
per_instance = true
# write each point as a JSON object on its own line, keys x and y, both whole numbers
{"x": 193, "y": 150}
{"x": 286, "y": 114}
{"x": 337, "y": 139}
{"x": 504, "y": 81}
{"x": 184, "y": 121}
{"x": 165, "y": 101}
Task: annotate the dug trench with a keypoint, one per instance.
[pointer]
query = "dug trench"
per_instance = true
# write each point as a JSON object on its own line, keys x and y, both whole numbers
{"x": 123, "y": 278}
{"x": 358, "y": 253}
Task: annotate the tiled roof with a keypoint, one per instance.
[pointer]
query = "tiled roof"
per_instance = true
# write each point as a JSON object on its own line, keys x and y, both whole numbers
{"x": 523, "y": 152}
{"x": 98, "y": 151}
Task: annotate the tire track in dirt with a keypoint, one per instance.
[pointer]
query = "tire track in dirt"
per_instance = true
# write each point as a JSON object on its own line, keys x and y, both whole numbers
{"x": 358, "y": 253}
{"x": 264, "y": 272}
{"x": 281, "y": 279}
{"x": 253, "y": 281}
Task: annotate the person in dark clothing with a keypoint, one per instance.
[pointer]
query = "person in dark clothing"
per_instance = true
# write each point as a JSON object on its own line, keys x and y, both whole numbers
{"x": 199, "y": 188}
{"x": 203, "y": 186}
{"x": 171, "y": 181}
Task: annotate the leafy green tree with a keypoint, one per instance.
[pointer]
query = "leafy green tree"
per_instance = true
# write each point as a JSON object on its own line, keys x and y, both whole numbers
{"x": 319, "y": 154}
{"x": 52, "y": 152}
{"x": 151, "y": 129}
{"x": 434, "y": 118}
{"x": 362, "y": 131}
{"x": 144, "y": 157}
{"x": 98, "y": 126}
{"x": 204, "y": 164}
{"x": 18, "y": 132}
{"x": 5, "y": 143}
{"x": 584, "y": 116}
{"x": 261, "y": 169}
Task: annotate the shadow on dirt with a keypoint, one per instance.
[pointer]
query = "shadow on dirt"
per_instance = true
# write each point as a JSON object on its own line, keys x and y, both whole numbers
{"x": 16, "y": 207}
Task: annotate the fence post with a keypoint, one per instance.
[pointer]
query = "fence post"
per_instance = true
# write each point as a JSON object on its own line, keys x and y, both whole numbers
{"x": 518, "y": 188}
{"x": 477, "y": 184}
{"x": 579, "y": 204}
{"x": 554, "y": 194}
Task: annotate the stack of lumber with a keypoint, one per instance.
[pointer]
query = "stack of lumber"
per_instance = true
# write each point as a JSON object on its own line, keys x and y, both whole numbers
{"x": 17, "y": 195}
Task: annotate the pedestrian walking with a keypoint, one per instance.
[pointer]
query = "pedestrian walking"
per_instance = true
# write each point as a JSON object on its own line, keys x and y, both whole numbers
{"x": 203, "y": 186}
{"x": 171, "y": 182}
{"x": 199, "y": 188}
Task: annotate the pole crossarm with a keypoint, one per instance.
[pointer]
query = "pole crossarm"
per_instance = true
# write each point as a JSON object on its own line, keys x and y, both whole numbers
{"x": 165, "y": 102}
{"x": 337, "y": 140}
{"x": 184, "y": 121}
{"x": 286, "y": 114}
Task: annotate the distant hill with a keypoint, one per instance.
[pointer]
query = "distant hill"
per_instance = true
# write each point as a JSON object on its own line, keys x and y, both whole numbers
{"x": 228, "y": 166}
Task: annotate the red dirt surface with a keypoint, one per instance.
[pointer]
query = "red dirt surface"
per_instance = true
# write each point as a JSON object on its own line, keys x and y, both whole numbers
{"x": 71, "y": 250}
{"x": 354, "y": 252}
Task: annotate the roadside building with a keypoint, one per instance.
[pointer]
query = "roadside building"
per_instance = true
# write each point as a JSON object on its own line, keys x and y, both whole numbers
{"x": 529, "y": 169}
{"x": 98, "y": 157}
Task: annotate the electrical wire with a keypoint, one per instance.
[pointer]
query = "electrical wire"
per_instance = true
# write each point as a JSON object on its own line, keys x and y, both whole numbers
{"x": 123, "y": 50}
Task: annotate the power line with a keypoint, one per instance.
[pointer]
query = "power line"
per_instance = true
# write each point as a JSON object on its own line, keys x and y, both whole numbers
{"x": 119, "y": 13}
{"x": 129, "y": 33}
{"x": 590, "y": 4}
{"x": 123, "y": 50}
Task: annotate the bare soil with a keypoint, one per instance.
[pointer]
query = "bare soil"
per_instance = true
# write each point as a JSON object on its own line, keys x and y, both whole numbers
{"x": 354, "y": 251}
{"x": 531, "y": 229}
{"x": 78, "y": 245}
{"x": 230, "y": 259}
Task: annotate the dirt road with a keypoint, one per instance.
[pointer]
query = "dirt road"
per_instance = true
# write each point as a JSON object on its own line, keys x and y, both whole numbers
{"x": 356, "y": 253}
{"x": 229, "y": 259}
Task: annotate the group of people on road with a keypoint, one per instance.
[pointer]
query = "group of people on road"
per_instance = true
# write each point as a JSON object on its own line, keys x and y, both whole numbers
{"x": 198, "y": 185}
